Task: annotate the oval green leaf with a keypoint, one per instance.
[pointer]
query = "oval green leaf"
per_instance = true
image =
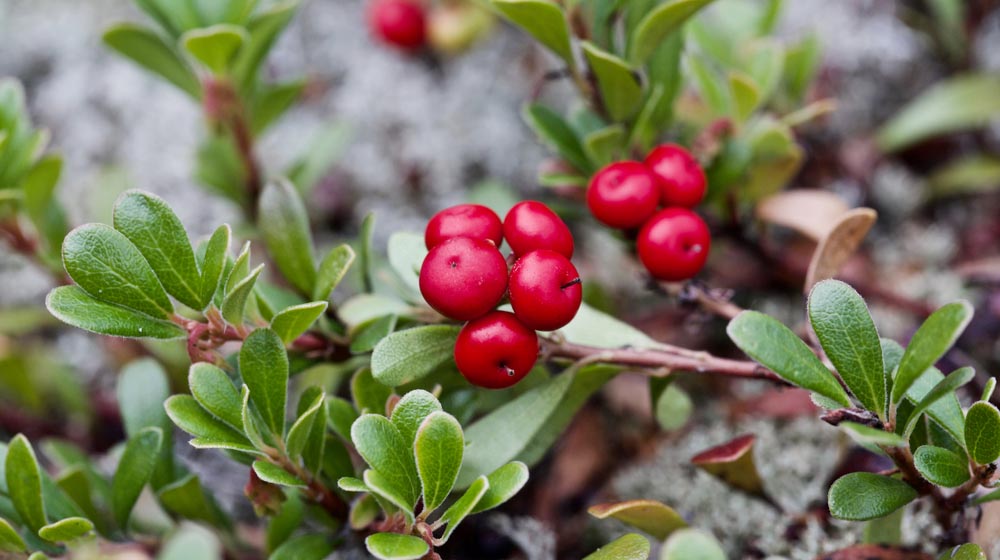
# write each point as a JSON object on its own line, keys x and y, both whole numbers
{"x": 284, "y": 224}
{"x": 292, "y": 321}
{"x": 215, "y": 392}
{"x": 649, "y": 516}
{"x": 77, "y": 308}
{"x": 862, "y": 496}
{"x": 393, "y": 546}
{"x": 659, "y": 24}
{"x": 629, "y": 547}
{"x": 982, "y": 432}
{"x": 620, "y": 90}
{"x": 150, "y": 51}
{"x": 66, "y": 530}
{"x": 215, "y": 46}
{"x": 438, "y": 448}
{"x": 504, "y": 483}
{"x": 941, "y": 466}
{"x": 934, "y": 337}
{"x": 410, "y": 412}
{"x": 411, "y": 354}
{"x": 264, "y": 368}
{"x": 382, "y": 446}
{"x": 24, "y": 483}
{"x": 134, "y": 470}
{"x": 542, "y": 19}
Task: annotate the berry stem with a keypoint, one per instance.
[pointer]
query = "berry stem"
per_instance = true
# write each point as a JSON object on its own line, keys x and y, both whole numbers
{"x": 572, "y": 282}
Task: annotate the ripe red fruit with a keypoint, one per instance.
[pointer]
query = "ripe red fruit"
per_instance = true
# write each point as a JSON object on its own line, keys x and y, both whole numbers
{"x": 531, "y": 225}
{"x": 674, "y": 244}
{"x": 545, "y": 290}
{"x": 495, "y": 351}
{"x": 463, "y": 278}
{"x": 401, "y": 23}
{"x": 682, "y": 180}
{"x": 464, "y": 220}
{"x": 623, "y": 195}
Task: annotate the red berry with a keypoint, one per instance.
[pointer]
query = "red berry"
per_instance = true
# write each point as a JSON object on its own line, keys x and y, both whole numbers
{"x": 463, "y": 278}
{"x": 545, "y": 290}
{"x": 464, "y": 220}
{"x": 531, "y": 225}
{"x": 399, "y": 22}
{"x": 674, "y": 244}
{"x": 682, "y": 180}
{"x": 623, "y": 195}
{"x": 495, "y": 351}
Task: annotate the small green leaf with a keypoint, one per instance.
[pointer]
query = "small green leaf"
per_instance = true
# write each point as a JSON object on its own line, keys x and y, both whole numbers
{"x": 264, "y": 368}
{"x": 75, "y": 307}
{"x": 691, "y": 544}
{"x": 10, "y": 541}
{"x": 284, "y": 224}
{"x": 191, "y": 542}
{"x": 272, "y": 101}
{"x": 603, "y": 146}
{"x": 66, "y": 530}
{"x": 289, "y": 518}
{"x": 945, "y": 411}
{"x": 746, "y": 94}
{"x": 941, "y": 466}
{"x": 991, "y": 385}
{"x": 364, "y": 512}
{"x": 411, "y": 354}
{"x": 340, "y": 415}
{"x": 368, "y": 394}
{"x": 304, "y": 547}
{"x": 462, "y": 507}
{"x": 945, "y": 387}
{"x": 263, "y": 29}
{"x": 709, "y": 84}
{"x": 384, "y": 488}
{"x": 620, "y": 90}
{"x": 849, "y": 338}
{"x": 591, "y": 327}
{"x": 150, "y": 51}
{"x": 960, "y": 103}
{"x": 382, "y": 446}
{"x": 672, "y": 407}
{"x": 235, "y": 303}
{"x": 885, "y": 530}
{"x": 24, "y": 483}
{"x": 213, "y": 264}
{"x": 110, "y": 268}
{"x": 866, "y": 435}
{"x": 362, "y": 308}
{"x": 369, "y": 334}
{"x": 215, "y": 46}
{"x": 142, "y": 389}
{"x": 982, "y": 432}
{"x": 968, "y": 551}
{"x": 300, "y": 432}
{"x": 209, "y": 432}
{"x": 366, "y": 260}
{"x": 628, "y": 547}
{"x": 292, "y": 321}
{"x": 215, "y": 392}
{"x": 250, "y": 420}
{"x": 555, "y": 132}
{"x": 776, "y": 347}
{"x": 149, "y": 223}
{"x": 935, "y": 337}
{"x": 187, "y": 499}
{"x": 438, "y": 448}
{"x": 269, "y": 472}
{"x": 659, "y": 24}
{"x": 351, "y": 484}
{"x": 504, "y": 483}
{"x": 410, "y": 412}
{"x": 332, "y": 270}
{"x": 861, "y": 496}
{"x": 406, "y": 251}
{"x": 393, "y": 546}
{"x": 134, "y": 470}
{"x": 542, "y": 19}
{"x": 649, "y": 516}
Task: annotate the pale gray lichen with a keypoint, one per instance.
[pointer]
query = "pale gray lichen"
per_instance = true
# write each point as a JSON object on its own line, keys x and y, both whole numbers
{"x": 535, "y": 540}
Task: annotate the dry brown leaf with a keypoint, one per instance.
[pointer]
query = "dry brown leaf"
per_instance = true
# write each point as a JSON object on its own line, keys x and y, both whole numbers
{"x": 810, "y": 212}
{"x": 839, "y": 244}
{"x": 732, "y": 462}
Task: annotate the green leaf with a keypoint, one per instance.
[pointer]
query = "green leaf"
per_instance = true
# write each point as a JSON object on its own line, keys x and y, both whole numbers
{"x": 75, "y": 307}
{"x": 269, "y": 472}
{"x": 968, "y": 551}
{"x": 332, "y": 270}
{"x": 542, "y": 19}
{"x": 215, "y": 392}
{"x": 322, "y": 152}
{"x": 945, "y": 411}
{"x": 438, "y": 449}
{"x": 10, "y": 541}
{"x": 982, "y": 432}
{"x": 264, "y": 368}
{"x": 365, "y": 260}
{"x": 213, "y": 265}
{"x": 142, "y": 389}
{"x": 945, "y": 387}
{"x": 366, "y": 336}
{"x": 250, "y": 420}
{"x": 746, "y": 94}
{"x": 776, "y": 347}
{"x": 504, "y": 483}
{"x": 368, "y": 394}
{"x": 802, "y": 61}
{"x": 861, "y": 496}
{"x": 149, "y": 223}
{"x": 691, "y": 544}
{"x": 462, "y": 507}
{"x": 620, "y": 90}
{"x": 382, "y": 446}
{"x": 628, "y": 547}
{"x": 555, "y": 132}
{"x": 304, "y": 547}
{"x": 410, "y": 412}
{"x": 885, "y": 530}
{"x": 988, "y": 388}
{"x": 235, "y": 303}
{"x": 209, "y": 432}
{"x": 40, "y": 202}
{"x": 659, "y": 24}
{"x": 393, "y": 546}
{"x": 967, "y": 175}
{"x": 364, "y": 512}
{"x": 148, "y": 50}
{"x": 284, "y": 225}
{"x": 282, "y": 525}
{"x": 709, "y": 84}
{"x": 362, "y": 308}
{"x": 186, "y": 498}
{"x": 134, "y": 470}
{"x": 384, "y": 489}
{"x": 960, "y": 103}
{"x": 105, "y": 264}
{"x": 301, "y": 431}
{"x": 215, "y": 46}
{"x": 292, "y": 321}
{"x": 411, "y": 354}
{"x": 351, "y": 484}
{"x": 340, "y": 414}
{"x": 272, "y": 101}
{"x": 406, "y": 251}
{"x": 941, "y": 466}
{"x": 766, "y": 63}
{"x": 648, "y": 516}
{"x": 591, "y": 327}
{"x": 66, "y": 530}
{"x": 672, "y": 407}
{"x": 263, "y": 29}
{"x": 603, "y": 146}
{"x": 849, "y": 338}
{"x": 931, "y": 341}
{"x": 191, "y": 542}
{"x": 24, "y": 483}
{"x": 866, "y": 435}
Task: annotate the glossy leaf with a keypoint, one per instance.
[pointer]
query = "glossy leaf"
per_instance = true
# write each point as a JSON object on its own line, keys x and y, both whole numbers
{"x": 691, "y": 544}
{"x": 332, "y": 270}
{"x": 150, "y": 51}
{"x": 649, "y": 516}
{"x": 134, "y": 470}
{"x": 934, "y": 337}
{"x": 292, "y": 321}
{"x": 285, "y": 228}
{"x": 410, "y": 412}
{"x": 215, "y": 392}
{"x": 215, "y": 46}
{"x": 75, "y": 307}
{"x": 24, "y": 483}
{"x": 982, "y": 433}
{"x": 393, "y": 546}
{"x": 620, "y": 90}
{"x": 941, "y": 466}
{"x": 269, "y": 472}
{"x": 408, "y": 355}
{"x": 776, "y": 347}
{"x": 659, "y": 24}
{"x": 629, "y": 547}
{"x": 861, "y": 496}
{"x": 264, "y": 368}
{"x": 462, "y": 507}
{"x": 104, "y": 263}
{"x": 208, "y": 431}
{"x": 66, "y": 530}
{"x": 945, "y": 411}
{"x": 382, "y": 446}
{"x": 438, "y": 448}
{"x": 542, "y": 19}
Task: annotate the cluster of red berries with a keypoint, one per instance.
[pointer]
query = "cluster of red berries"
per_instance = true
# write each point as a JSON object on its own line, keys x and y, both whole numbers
{"x": 672, "y": 242}
{"x": 464, "y": 277}
{"x": 402, "y": 23}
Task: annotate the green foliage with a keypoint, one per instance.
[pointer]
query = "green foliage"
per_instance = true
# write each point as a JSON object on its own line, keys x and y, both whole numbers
{"x": 408, "y": 355}
{"x": 982, "y": 432}
{"x": 649, "y": 516}
{"x": 938, "y": 333}
{"x": 861, "y": 496}
{"x": 691, "y": 544}
{"x": 628, "y": 547}
{"x": 941, "y": 466}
